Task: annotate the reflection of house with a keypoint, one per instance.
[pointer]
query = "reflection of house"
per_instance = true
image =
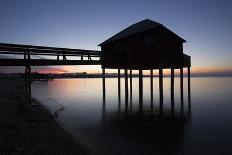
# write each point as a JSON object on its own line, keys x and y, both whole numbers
{"x": 144, "y": 45}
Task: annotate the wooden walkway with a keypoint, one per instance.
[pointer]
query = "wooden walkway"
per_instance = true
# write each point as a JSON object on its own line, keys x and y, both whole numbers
{"x": 28, "y": 55}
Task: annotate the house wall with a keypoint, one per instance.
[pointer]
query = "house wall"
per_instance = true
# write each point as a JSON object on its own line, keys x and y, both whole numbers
{"x": 147, "y": 49}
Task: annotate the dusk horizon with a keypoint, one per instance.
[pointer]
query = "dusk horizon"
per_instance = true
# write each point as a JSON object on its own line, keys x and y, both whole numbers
{"x": 116, "y": 77}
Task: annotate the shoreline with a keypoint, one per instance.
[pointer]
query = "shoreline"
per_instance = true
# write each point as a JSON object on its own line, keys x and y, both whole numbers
{"x": 30, "y": 129}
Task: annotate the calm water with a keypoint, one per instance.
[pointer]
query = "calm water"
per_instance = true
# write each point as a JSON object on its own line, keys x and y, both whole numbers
{"x": 115, "y": 127}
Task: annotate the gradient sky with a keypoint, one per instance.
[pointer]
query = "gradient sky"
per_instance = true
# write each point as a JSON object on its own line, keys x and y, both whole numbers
{"x": 205, "y": 24}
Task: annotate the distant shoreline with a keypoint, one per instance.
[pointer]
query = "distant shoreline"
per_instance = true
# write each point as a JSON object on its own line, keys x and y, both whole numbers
{"x": 85, "y": 75}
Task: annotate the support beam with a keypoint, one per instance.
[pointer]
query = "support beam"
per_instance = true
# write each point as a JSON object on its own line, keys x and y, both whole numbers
{"x": 172, "y": 89}
{"x": 26, "y": 82}
{"x": 161, "y": 89}
{"x": 151, "y": 82}
{"x": 130, "y": 83}
{"x": 126, "y": 85}
{"x": 58, "y": 56}
{"x": 119, "y": 92}
{"x": 140, "y": 90}
{"x": 29, "y": 83}
{"x": 189, "y": 92}
{"x": 103, "y": 84}
{"x": 119, "y": 84}
{"x": 161, "y": 84}
{"x": 181, "y": 83}
{"x": 181, "y": 91}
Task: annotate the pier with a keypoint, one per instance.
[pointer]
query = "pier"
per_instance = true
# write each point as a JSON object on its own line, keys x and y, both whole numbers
{"x": 146, "y": 45}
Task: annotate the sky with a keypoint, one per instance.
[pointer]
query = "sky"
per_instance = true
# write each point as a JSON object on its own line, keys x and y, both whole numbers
{"x": 83, "y": 24}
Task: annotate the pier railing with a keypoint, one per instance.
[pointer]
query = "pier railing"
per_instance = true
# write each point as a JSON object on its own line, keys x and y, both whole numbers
{"x": 42, "y": 55}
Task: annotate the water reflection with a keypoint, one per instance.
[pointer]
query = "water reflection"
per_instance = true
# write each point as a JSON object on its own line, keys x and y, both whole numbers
{"x": 110, "y": 118}
{"x": 157, "y": 126}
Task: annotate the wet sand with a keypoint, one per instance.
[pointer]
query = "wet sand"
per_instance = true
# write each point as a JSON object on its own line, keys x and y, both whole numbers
{"x": 27, "y": 129}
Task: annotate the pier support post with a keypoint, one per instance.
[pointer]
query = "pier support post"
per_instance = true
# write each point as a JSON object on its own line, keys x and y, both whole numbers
{"x": 130, "y": 83}
{"x": 181, "y": 90}
{"x": 172, "y": 89}
{"x": 103, "y": 84}
{"x": 126, "y": 87}
{"x": 28, "y": 83}
{"x": 189, "y": 92}
{"x": 151, "y": 82}
{"x": 119, "y": 84}
{"x": 140, "y": 89}
{"x": 161, "y": 89}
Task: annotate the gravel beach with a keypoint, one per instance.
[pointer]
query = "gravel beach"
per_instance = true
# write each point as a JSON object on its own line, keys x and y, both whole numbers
{"x": 26, "y": 129}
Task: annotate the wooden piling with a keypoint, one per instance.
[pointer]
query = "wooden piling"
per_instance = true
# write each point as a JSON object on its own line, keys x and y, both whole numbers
{"x": 161, "y": 89}
{"x": 151, "y": 83}
{"x": 189, "y": 92}
{"x": 130, "y": 83}
{"x": 181, "y": 91}
{"x": 161, "y": 84}
{"x": 181, "y": 83}
{"x": 26, "y": 82}
{"x": 140, "y": 90}
{"x": 126, "y": 85}
{"x": 172, "y": 89}
{"x": 103, "y": 83}
{"x": 126, "y": 91}
{"x": 119, "y": 84}
{"x": 29, "y": 83}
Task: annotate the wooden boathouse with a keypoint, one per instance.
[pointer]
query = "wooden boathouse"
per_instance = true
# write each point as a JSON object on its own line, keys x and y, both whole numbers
{"x": 146, "y": 45}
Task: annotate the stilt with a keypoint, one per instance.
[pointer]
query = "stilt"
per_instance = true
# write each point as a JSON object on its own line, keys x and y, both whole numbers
{"x": 103, "y": 110}
{"x": 29, "y": 83}
{"x": 119, "y": 85}
{"x": 130, "y": 83}
{"x": 103, "y": 84}
{"x": 172, "y": 90}
{"x": 130, "y": 90}
{"x": 126, "y": 91}
{"x": 119, "y": 92}
{"x": 140, "y": 90}
{"x": 151, "y": 82}
{"x": 161, "y": 89}
{"x": 26, "y": 83}
{"x": 189, "y": 92}
{"x": 126, "y": 85}
{"x": 181, "y": 91}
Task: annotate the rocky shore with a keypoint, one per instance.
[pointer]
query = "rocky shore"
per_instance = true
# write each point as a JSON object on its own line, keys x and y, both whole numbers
{"x": 27, "y": 129}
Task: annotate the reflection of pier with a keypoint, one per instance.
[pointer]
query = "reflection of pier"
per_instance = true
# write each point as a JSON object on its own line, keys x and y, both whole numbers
{"x": 163, "y": 128}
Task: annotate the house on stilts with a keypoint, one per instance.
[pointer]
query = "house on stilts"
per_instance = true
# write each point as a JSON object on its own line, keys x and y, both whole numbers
{"x": 146, "y": 45}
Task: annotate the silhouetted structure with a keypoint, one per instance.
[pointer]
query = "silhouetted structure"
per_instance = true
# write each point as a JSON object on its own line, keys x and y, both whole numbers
{"x": 146, "y": 45}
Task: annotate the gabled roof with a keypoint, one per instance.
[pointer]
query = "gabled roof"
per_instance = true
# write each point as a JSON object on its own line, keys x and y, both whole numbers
{"x": 141, "y": 26}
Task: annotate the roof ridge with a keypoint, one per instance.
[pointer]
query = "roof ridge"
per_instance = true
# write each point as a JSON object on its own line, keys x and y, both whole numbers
{"x": 135, "y": 28}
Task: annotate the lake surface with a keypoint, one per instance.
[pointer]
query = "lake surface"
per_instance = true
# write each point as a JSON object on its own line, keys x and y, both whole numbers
{"x": 201, "y": 126}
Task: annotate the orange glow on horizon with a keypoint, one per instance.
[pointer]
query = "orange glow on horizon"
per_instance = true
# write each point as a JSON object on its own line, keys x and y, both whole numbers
{"x": 97, "y": 69}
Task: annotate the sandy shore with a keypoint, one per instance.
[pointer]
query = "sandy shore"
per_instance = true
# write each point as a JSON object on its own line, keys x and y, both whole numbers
{"x": 27, "y": 129}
